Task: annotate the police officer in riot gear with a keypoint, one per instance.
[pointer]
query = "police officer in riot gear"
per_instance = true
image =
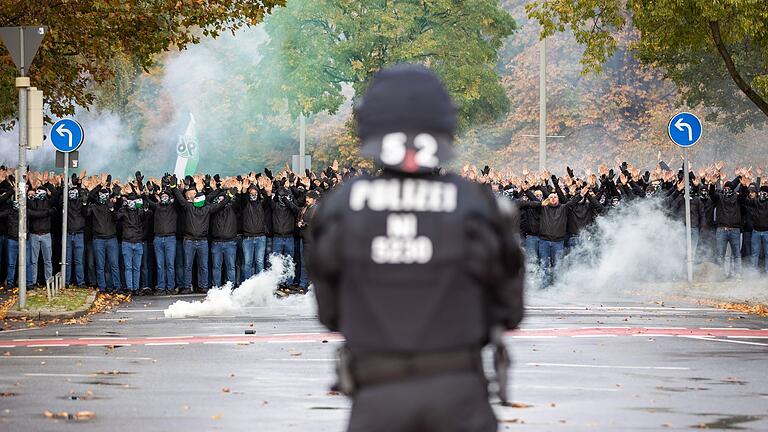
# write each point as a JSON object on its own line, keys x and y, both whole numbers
{"x": 415, "y": 269}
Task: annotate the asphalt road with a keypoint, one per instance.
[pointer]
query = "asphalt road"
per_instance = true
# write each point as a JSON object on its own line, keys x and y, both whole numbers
{"x": 579, "y": 365}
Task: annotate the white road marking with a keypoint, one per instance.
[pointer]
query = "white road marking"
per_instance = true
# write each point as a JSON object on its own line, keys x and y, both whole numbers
{"x": 38, "y": 340}
{"x": 7, "y": 346}
{"x": 170, "y": 337}
{"x": 723, "y": 328}
{"x": 593, "y": 336}
{"x": 103, "y": 338}
{"x": 59, "y": 375}
{"x": 46, "y": 345}
{"x": 298, "y": 359}
{"x": 141, "y": 310}
{"x": 18, "y": 330}
{"x": 643, "y": 308}
{"x": 541, "y": 387}
{"x": 725, "y": 340}
{"x": 533, "y": 337}
{"x": 115, "y": 319}
{"x": 72, "y": 357}
{"x": 297, "y": 334}
{"x": 650, "y": 335}
{"x": 166, "y": 343}
{"x": 747, "y": 337}
{"x": 224, "y": 342}
{"x": 293, "y": 341}
{"x": 607, "y": 366}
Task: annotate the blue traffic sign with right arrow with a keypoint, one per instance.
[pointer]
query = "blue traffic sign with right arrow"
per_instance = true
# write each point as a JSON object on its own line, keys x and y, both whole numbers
{"x": 684, "y": 129}
{"x": 67, "y": 135}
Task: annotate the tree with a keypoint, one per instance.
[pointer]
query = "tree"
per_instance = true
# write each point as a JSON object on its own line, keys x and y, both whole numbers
{"x": 90, "y": 40}
{"x": 716, "y": 52}
{"x": 319, "y": 47}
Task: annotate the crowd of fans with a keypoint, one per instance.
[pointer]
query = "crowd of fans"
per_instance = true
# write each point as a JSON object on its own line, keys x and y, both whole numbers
{"x": 178, "y": 235}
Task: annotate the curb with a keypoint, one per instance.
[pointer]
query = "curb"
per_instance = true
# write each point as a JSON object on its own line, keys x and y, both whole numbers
{"x": 46, "y": 314}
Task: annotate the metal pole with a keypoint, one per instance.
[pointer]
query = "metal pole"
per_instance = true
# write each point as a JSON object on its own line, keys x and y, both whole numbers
{"x": 22, "y": 180}
{"x": 689, "y": 241}
{"x": 543, "y": 105}
{"x": 65, "y": 199}
{"x": 302, "y": 144}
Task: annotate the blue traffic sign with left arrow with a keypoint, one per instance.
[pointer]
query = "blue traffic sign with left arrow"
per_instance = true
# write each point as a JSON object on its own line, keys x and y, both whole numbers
{"x": 684, "y": 129}
{"x": 67, "y": 135}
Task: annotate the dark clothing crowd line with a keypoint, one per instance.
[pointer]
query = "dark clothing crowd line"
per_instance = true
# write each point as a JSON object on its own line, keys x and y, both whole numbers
{"x": 149, "y": 236}
{"x": 727, "y": 214}
{"x": 182, "y": 235}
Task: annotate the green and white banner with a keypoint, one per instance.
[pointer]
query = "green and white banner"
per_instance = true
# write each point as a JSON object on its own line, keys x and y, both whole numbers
{"x": 187, "y": 154}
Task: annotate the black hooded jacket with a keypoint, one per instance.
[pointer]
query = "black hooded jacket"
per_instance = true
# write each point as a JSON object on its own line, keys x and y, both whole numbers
{"x": 164, "y": 217}
{"x": 133, "y": 222}
{"x": 728, "y": 211}
{"x": 197, "y": 220}
{"x": 284, "y": 211}
{"x": 583, "y": 214}
{"x": 103, "y": 223}
{"x": 224, "y": 221}
{"x": 256, "y": 215}
{"x": 76, "y": 210}
{"x": 759, "y": 213}
{"x": 39, "y": 212}
{"x": 10, "y": 215}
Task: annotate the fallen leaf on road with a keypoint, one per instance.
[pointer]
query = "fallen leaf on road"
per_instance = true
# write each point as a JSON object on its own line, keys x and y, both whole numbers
{"x": 296, "y": 354}
{"x": 333, "y": 393}
{"x": 216, "y": 417}
{"x": 7, "y": 353}
{"x": 226, "y": 390}
{"x": 514, "y": 420}
{"x": 84, "y": 415}
{"x": 518, "y": 405}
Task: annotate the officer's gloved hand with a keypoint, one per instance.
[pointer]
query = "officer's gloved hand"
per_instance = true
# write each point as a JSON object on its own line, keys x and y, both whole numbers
{"x": 174, "y": 181}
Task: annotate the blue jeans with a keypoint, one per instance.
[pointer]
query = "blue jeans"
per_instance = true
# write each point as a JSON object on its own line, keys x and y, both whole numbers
{"x": 107, "y": 248}
{"x": 254, "y": 249}
{"x": 13, "y": 256}
{"x": 304, "y": 280}
{"x": 165, "y": 257}
{"x": 532, "y": 247}
{"x": 75, "y": 257}
{"x": 550, "y": 255}
{"x": 199, "y": 248}
{"x": 146, "y": 273}
{"x": 39, "y": 243}
{"x": 283, "y": 245}
{"x": 179, "y": 263}
{"x": 729, "y": 237}
{"x": 759, "y": 244}
{"x": 132, "y": 253}
{"x": 225, "y": 252}
{"x": 90, "y": 264}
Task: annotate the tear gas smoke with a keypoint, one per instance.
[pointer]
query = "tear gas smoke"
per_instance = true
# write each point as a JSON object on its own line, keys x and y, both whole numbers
{"x": 256, "y": 291}
{"x": 634, "y": 244}
{"x": 107, "y": 141}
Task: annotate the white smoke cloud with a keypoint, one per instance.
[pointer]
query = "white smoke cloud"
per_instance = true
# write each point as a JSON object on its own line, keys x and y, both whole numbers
{"x": 634, "y": 244}
{"x": 106, "y": 140}
{"x": 256, "y": 291}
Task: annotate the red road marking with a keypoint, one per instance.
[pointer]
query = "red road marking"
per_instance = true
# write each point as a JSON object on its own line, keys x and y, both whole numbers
{"x": 335, "y": 337}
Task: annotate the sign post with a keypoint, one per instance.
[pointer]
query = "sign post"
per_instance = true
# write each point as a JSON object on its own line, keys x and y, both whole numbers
{"x": 684, "y": 129}
{"x": 22, "y": 43}
{"x": 66, "y": 136}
